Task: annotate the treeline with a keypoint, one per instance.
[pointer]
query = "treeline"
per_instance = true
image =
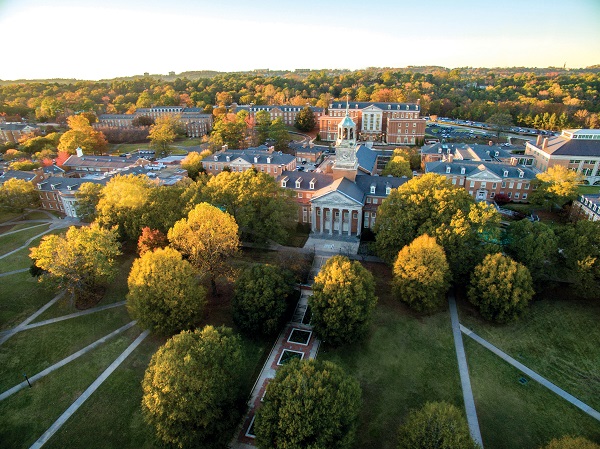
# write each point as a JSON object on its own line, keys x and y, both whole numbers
{"x": 531, "y": 96}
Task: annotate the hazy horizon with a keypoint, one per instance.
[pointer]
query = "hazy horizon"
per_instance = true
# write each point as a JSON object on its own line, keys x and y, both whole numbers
{"x": 113, "y": 39}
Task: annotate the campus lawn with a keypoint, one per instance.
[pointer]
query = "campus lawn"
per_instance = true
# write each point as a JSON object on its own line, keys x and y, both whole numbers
{"x": 587, "y": 190}
{"x": 557, "y": 338}
{"x": 11, "y": 242}
{"x": 516, "y": 416}
{"x": 122, "y": 148}
{"x": 33, "y": 350}
{"x": 187, "y": 143}
{"x": 406, "y": 360}
{"x": 20, "y": 296}
{"x": 8, "y": 215}
{"x": 20, "y": 259}
{"x": 27, "y": 414}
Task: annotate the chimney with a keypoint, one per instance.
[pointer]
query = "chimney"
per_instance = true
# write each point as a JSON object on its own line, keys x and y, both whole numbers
{"x": 418, "y": 101}
{"x": 271, "y": 149}
{"x": 538, "y": 141}
{"x": 545, "y": 143}
{"x": 79, "y": 151}
{"x": 311, "y": 144}
{"x": 490, "y": 143}
{"x": 450, "y": 158}
{"x": 224, "y": 148}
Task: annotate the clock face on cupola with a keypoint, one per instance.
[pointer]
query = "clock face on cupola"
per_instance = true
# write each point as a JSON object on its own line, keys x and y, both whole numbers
{"x": 345, "y": 146}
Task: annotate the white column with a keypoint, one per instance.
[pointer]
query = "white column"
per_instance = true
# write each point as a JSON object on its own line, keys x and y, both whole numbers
{"x": 322, "y": 218}
{"x": 341, "y": 221}
{"x": 330, "y": 221}
{"x": 359, "y": 226}
{"x": 313, "y": 215}
{"x": 350, "y": 212}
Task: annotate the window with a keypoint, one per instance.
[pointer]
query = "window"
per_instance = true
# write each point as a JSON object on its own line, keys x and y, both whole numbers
{"x": 304, "y": 214}
{"x": 519, "y": 186}
{"x": 368, "y": 200}
{"x": 454, "y": 181}
{"x": 510, "y": 194}
{"x": 483, "y": 184}
{"x": 462, "y": 181}
{"x": 366, "y": 224}
{"x": 494, "y": 185}
{"x": 492, "y": 195}
{"x": 299, "y": 194}
{"x": 503, "y": 184}
{"x": 511, "y": 185}
{"x": 472, "y": 184}
{"x": 284, "y": 183}
{"x": 375, "y": 200}
{"x": 372, "y": 188}
{"x": 516, "y": 195}
{"x": 524, "y": 196}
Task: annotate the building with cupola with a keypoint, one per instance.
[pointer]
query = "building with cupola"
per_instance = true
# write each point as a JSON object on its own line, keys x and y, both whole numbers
{"x": 345, "y": 201}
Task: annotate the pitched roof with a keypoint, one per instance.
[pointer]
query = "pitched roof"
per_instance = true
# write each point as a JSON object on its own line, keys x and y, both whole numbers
{"x": 343, "y": 186}
{"x": 367, "y": 158}
{"x": 69, "y": 184}
{"x": 381, "y": 183}
{"x": 17, "y": 174}
{"x": 471, "y": 168}
{"x": 298, "y": 147}
{"x": 274, "y": 158}
{"x": 563, "y": 146}
{"x": 321, "y": 180}
{"x": 383, "y": 106}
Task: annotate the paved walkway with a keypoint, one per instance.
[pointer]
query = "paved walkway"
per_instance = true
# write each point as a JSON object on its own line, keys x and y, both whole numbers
{"x": 24, "y": 229}
{"x": 535, "y": 376}
{"x": 21, "y": 270}
{"x": 463, "y": 369}
{"x": 5, "y": 335}
{"x": 88, "y": 392}
{"x": 52, "y": 227}
{"x": 64, "y": 361}
{"x": 332, "y": 244}
{"x": 22, "y": 327}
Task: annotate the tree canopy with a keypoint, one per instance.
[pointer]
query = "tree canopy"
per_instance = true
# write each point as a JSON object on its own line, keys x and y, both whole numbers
{"x": 397, "y": 166}
{"x": 305, "y": 120}
{"x": 193, "y": 163}
{"x": 316, "y": 400}
{"x": 18, "y": 195}
{"x": 261, "y": 299}
{"x": 208, "y": 237}
{"x": 262, "y": 208}
{"x": 279, "y": 134}
{"x": 555, "y": 186}
{"x": 343, "y": 301}
{"x": 191, "y": 389}
{"x": 82, "y": 135}
{"x": 88, "y": 196}
{"x": 164, "y": 131}
{"x": 81, "y": 261}
{"x": 421, "y": 274}
{"x": 435, "y": 425}
{"x": 164, "y": 295}
{"x": 501, "y": 288}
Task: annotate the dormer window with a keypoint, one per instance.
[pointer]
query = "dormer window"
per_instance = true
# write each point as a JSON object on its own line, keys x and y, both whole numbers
{"x": 389, "y": 106}
{"x": 448, "y": 169}
{"x": 497, "y": 153}
{"x": 506, "y": 173}
{"x": 227, "y": 158}
{"x": 255, "y": 159}
{"x": 312, "y": 184}
{"x": 215, "y": 157}
{"x": 298, "y": 182}
{"x": 372, "y": 189}
{"x": 268, "y": 159}
{"x": 284, "y": 182}
{"x": 388, "y": 189}
{"x": 521, "y": 173}
{"x": 462, "y": 170}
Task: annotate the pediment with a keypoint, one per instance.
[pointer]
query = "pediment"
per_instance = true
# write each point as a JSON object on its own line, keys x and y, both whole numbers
{"x": 484, "y": 175}
{"x": 335, "y": 199}
{"x": 372, "y": 108}
{"x": 240, "y": 161}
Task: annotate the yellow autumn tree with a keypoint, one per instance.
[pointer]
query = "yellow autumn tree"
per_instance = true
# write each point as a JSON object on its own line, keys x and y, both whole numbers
{"x": 82, "y": 135}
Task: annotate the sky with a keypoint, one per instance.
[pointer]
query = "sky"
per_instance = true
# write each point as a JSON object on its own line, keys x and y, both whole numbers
{"x": 110, "y": 38}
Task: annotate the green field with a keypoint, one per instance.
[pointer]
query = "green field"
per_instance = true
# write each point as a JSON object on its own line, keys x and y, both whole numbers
{"x": 13, "y": 241}
{"x": 588, "y": 189}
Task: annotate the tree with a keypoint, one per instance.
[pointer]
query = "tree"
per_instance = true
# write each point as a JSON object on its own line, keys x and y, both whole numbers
{"x": 164, "y": 295}
{"x": 305, "y": 120}
{"x": 261, "y": 129}
{"x": 150, "y": 240}
{"x": 209, "y": 238}
{"x": 411, "y": 154}
{"x": 82, "y": 135}
{"x": 122, "y": 204}
{"x": 165, "y": 206}
{"x": 142, "y": 120}
{"x": 309, "y": 403}
{"x": 343, "y": 301}
{"x": 18, "y": 195}
{"x": 279, "y": 135}
{"x": 534, "y": 245}
{"x": 580, "y": 250}
{"x": 23, "y": 165}
{"x": 501, "y": 288}
{"x": 421, "y": 274}
{"x": 82, "y": 262}
{"x": 500, "y": 121}
{"x": 397, "y": 166}
{"x": 164, "y": 132}
{"x": 557, "y": 185}
{"x": 87, "y": 197}
{"x": 435, "y": 425}
{"x": 263, "y": 210}
{"x": 569, "y": 442}
{"x": 260, "y": 299}
{"x": 230, "y": 130}
{"x": 191, "y": 389}
{"x": 193, "y": 163}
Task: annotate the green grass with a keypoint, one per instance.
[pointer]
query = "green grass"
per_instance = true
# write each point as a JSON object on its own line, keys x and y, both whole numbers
{"x": 21, "y": 259}
{"x": 13, "y": 241}
{"x": 26, "y": 415}
{"x": 515, "y": 416}
{"x": 7, "y": 215}
{"x": 588, "y": 190}
{"x": 558, "y": 339}
{"x": 20, "y": 296}
{"x": 33, "y": 350}
{"x": 38, "y": 215}
{"x": 187, "y": 143}
{"x": 405, "y": 361}
{"x": 121, "y": 148}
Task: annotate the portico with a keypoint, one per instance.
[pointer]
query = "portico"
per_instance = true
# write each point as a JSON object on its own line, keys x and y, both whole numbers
{"x": 337, "y": 209}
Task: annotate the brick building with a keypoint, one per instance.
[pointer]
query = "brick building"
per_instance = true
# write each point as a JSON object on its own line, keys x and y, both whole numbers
{"x": 262, "y": 158}
{"x": 287, "y": 113}
{"x": 12, "y": 132}
{"x": 576, "y": 149}
{"x": 382, "y": 123}
{"x": 485, "y": 180}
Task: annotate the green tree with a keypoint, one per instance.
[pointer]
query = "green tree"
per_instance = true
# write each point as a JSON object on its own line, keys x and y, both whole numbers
{"x": 82, "y": 135}
{"x": 411, "y": 154}
{"x": 580, "y": 249}
{"x": 435, "y": 425}
{"x": 87, "y": 197}
{"x": 279, "y": 134}
{"x": 557, "y": 185}
{"x": 164, "y": 131}
{"x": 82, "y": 262}
{"x": 193, "y": 163}
{"x": 230, "y": 130}
{"x": 262, "y": 126}
{"x": 18, "y": 195}
{"x": 191, "y": 389}
{"x": 263, "y": 210}
{"x": 261, "y": 299}
{"x": 208, "y": 237}
{"x": 165, "y": 206}
{"x": 309, "y": 404}
{"x": 501, "y": 288}
{"x": 343, "y": 301}
{"x": 397, "y": 166}
{"x": 421, "y": 274}
{"x": 24, "y": 165}
{"x": 500, "y": 121}
{"x": 305, "y": 120}
{"x": 122, "y": 204}
{"x": 534, "y": 245}
{"x": 569, "y": 442}
{"x": 164, "y": 295}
